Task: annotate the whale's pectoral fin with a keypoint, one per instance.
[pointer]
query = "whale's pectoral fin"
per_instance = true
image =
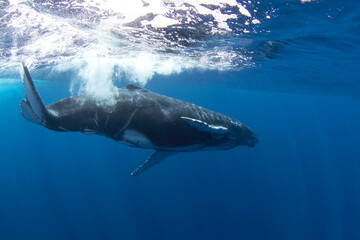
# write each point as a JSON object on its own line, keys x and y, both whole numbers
{"x": 32, "y": 108}
{"x": 154, "y": 159}
{"x": 205, "y": 127}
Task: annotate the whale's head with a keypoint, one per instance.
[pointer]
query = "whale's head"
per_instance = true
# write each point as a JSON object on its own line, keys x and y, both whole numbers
{"x": 243, "y": 135}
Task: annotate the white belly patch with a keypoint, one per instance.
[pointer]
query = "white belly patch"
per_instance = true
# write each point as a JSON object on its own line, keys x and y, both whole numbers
{"x": 135, "y": 138}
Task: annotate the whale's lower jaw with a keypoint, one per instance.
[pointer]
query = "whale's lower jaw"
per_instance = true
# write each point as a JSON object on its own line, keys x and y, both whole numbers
{"x": 134, "y": 138}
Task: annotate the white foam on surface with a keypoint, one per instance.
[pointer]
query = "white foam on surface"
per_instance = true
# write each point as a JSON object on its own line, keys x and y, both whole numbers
{"x": 105, "y": 41}
{"x": 161, "y": 21}
{"x": 244, "y": 11}
{"x": 98, "y": 75}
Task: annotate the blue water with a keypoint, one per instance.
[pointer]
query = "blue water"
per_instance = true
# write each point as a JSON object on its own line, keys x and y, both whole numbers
{"x": 299, "y": 91}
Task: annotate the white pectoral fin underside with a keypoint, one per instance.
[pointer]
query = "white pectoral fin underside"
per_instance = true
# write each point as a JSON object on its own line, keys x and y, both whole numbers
{"x": 154, "y": 159}
{"x": 205, "y": 127}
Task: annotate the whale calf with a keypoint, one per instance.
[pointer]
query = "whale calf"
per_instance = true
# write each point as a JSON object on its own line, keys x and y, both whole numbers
{"x": 139, "y": 118}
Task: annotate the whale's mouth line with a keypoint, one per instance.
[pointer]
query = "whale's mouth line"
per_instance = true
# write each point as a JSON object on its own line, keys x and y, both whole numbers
{"x": 254, "y": 139}
{"x": 254, "y": 142}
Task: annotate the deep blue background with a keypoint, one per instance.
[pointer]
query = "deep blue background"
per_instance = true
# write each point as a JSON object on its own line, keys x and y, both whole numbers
{"x": 302, "y": 181}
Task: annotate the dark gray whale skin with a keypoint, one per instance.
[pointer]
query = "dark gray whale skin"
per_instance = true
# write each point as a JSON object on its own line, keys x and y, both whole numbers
{"x": 156, "y": 116}
{"x": 139, "y": 118}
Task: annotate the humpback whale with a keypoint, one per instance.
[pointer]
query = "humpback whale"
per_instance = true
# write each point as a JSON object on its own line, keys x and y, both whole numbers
{"x": 139, "y": 118}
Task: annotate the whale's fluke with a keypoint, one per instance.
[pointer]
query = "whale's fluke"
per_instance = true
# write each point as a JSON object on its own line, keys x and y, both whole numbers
{"x": 32, "y": 107}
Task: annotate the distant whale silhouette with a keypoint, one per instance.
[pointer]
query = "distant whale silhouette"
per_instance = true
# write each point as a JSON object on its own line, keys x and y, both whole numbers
{"x": 139, "y": 118}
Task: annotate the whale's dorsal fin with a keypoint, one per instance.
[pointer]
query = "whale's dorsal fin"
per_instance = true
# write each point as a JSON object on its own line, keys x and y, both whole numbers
{"x": 205, "y": 127}
{"x": 32, "y": 107}
{"x": 154, "y": 159}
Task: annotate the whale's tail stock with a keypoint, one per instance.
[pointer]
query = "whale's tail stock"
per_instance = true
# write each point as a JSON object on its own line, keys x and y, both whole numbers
{"x": 32, "y": 107}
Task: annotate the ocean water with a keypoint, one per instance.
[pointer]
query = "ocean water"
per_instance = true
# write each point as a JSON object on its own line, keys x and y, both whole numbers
{"x": 288, "y": 69}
